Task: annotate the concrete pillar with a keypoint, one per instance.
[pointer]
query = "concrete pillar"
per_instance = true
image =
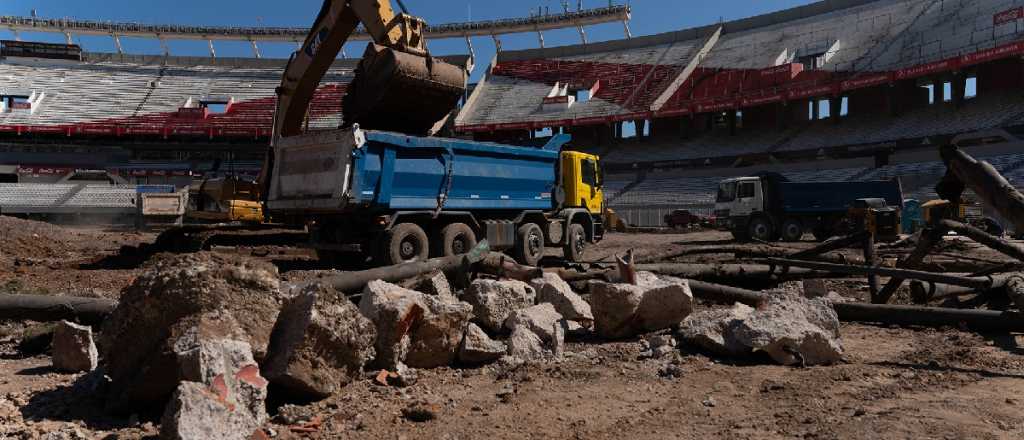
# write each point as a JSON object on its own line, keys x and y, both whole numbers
{"x": 540, "y": 36}
{"x": 625, "y": 24}
{"x": 938, "y": 91}
{"x": 835, "y": 106}
{"x": 117, "y": 44}
{"x": 730, "y": 117}
{"x": 959, "y": 89}
{"x": 255, "y": 49}
{"x": 814, "y": 109}
{"x": 213, "y": 52}
{"x": 583, "y": 34}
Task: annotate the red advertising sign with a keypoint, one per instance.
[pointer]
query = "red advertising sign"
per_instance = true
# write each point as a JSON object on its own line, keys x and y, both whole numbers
{"x": 630, "y": 116}
{"x": 679, "y": 111}
{"x": 593, "y": 120}
{"x": 928, "y": 69}
{"x": 1008, "y": 15}
{"x": 761, "y": 100}
{"x": 715, "y": 106}
{"x": 808, "y": 92}
{"x": 994, "y": 53}
{"x": 866, "y": 81}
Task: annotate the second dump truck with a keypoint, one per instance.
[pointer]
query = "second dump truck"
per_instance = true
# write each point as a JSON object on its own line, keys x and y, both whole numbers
{"x": 398, "y": 198}
{"x": 770, "y": 207}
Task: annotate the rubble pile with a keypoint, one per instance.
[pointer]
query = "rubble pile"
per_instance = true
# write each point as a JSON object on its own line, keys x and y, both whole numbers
{"x": 216, "y": 295}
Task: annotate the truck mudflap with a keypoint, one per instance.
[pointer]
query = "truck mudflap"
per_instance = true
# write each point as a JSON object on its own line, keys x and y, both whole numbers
{"x": 314, "y": 171}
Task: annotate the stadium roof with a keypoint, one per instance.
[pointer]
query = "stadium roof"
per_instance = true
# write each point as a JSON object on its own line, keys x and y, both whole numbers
{"x": 567, "y": 19}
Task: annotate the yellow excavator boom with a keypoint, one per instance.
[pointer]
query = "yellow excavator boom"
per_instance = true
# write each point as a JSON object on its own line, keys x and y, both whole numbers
{"x": 395, "y": 71}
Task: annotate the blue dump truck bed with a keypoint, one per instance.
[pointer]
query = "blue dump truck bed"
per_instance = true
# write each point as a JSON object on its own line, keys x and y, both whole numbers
{"x": 821, "y": 197}
{"x": 347, "y": 170}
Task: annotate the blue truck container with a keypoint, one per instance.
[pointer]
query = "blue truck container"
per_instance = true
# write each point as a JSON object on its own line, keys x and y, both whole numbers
{"x": 363, "y": 191}
{"x": 401, "y": 172}
{"x": 835, "y": 197}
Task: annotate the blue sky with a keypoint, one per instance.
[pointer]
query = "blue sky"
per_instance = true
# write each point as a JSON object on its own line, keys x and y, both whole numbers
{"x": 649, "y": 17}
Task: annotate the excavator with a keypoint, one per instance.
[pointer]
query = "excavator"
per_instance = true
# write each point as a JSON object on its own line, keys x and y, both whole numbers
{"x": 398, "y": 87}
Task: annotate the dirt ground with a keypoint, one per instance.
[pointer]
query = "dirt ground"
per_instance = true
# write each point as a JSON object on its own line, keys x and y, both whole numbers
{"x": 894, "y": 383}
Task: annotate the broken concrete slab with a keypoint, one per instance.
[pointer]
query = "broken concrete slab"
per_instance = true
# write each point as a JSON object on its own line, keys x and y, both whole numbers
{"x": 524, "y": 345}
{"x": 167, "y": 299}
{"x": 73, "y": 348}
{"x": 434, "y": 284}
{"x": 551, "y": 288}
{"x": 614, "y": 307}
{"x": 666, "y": 303}
{"x": 494, "y": 301}
{"x": 626, "y": 310}
{"x": 436, "y": 338}
{"x": 319, "y": 344}
{"x": 394, "y": 310}
{"x": 541, "y": 319}
{"x": 225, "y": 366}
{"x": 478, "y": 348}
{"x": 793, "y": 330}
{"x": 710, "y": 330}
{"x": 198, "y": 412}
{"x": 789, "y": 328}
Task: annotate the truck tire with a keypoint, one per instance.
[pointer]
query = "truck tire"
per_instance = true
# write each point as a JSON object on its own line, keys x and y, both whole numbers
{"x": 761, "y": 229}
{"x": 792, "y": 230}
{"x": 455, "y": 239}
{"x": 529, "y": 247}
{"x": 575, "y": 243}
{"x": 404, "y": 243}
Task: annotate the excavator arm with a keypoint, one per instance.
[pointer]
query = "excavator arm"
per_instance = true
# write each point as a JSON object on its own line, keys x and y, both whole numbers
{"x": 398, "y": 86}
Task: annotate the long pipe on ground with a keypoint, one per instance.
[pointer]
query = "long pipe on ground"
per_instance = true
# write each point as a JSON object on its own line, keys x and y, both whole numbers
{"x": 355, "y": 281}
{"x": 47, "y": 308}
{"x": 1012, "y": 250}
{"x": 973, "y": 282}
{"x": 904, "y": 316}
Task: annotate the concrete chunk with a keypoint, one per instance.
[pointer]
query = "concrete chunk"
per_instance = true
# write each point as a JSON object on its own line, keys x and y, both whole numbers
{"x": 73, "y": 348}
{"x": 710, "y": 330}
{"x": 665, "y": 304}
{"x": 197, "y": 412}
{"x": 478, "y": 348}
{"x": 494, "y": 301}
{"x": 524, "y": 345}
{"x": 435, "y": 340}
{"x": 394, "y": 310}
{"x": 626, "y": 310}
{"x": 175, "y": 294}
{"x": 319, "y": 344}
{"x": 551, "y": 288}
{"x": 793, "y": 330}
{"x": 540, "y": 319}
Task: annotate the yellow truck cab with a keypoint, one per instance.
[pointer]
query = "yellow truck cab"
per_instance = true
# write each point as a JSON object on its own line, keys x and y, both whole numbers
{"x": 582, "y": 181}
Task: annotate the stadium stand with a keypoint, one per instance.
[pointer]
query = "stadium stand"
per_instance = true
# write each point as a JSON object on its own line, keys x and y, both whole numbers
{"x": 124, "y": 95}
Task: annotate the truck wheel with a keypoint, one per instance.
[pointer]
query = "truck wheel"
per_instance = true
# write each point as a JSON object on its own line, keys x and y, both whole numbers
{"x": 404, "y": 243}
{"x": 792, "y": 230}
{"x": 456, "y": 239}
{"x": 529, "y": 248}
{"x": 761, "y": 229}
{"x": 575, "y": 243}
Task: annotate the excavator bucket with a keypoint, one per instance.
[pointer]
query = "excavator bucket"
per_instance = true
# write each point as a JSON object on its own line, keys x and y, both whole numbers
{"x": 402, "y": 92}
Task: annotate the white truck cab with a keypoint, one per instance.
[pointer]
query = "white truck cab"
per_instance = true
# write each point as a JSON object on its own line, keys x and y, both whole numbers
{"x": 738, "y": 197}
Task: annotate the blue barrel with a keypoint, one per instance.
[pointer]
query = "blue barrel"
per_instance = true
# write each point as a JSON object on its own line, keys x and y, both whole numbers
{"x": 912, "y": 216}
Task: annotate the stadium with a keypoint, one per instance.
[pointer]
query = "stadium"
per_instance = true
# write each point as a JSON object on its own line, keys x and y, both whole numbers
{"x": 848, "y": 90}
{"x": 593, "y": 238}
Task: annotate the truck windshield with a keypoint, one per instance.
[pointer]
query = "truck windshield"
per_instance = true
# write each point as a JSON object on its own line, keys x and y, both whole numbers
{"x": 590, "y": 176}
{"x": 726, "y": 192}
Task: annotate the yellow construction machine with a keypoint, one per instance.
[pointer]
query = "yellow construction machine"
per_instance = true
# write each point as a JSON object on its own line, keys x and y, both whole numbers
{"x": 398, "y": 87}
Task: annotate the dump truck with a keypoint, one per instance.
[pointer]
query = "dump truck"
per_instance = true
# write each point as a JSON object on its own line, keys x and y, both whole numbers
{"x": 398, "y": 198}
{"x": 769, "y": 207}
